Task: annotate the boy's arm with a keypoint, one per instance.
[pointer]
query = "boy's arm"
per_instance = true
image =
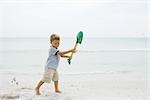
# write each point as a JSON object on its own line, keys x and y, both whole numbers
{"x": 65, "y": 56}
{"x": 61, "y": 53}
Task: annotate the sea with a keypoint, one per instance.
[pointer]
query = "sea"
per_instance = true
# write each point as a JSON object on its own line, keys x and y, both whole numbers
{"x": 93, "y": 56}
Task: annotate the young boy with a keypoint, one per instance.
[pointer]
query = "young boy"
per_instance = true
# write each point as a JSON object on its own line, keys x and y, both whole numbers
{"x": 52, "y": 64}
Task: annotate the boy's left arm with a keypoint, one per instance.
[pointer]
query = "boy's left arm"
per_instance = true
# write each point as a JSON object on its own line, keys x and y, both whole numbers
{"x": 64, "y": 56}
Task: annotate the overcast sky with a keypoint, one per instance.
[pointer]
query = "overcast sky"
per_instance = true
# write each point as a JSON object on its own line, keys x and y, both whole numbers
{"x": 96, "y": 18}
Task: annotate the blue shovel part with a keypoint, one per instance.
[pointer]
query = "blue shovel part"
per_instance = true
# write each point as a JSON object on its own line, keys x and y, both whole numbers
{"x": 78, "y": 41}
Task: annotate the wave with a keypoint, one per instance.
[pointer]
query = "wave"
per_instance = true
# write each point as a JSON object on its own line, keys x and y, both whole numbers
{"x": 114, "y": 50}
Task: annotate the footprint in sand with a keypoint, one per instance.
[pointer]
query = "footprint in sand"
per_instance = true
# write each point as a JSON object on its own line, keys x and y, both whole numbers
{"x": 9, "y": 96}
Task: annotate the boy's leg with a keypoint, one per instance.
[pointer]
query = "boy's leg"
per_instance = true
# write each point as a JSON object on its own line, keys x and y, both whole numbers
{"x": 55, "y": 79}
{"x": 56, "y": 87}
{"x": 38, "y": 87}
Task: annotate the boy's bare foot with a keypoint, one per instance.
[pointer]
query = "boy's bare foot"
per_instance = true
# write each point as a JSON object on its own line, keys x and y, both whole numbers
{"x": 58, "y": 91}
{"x": 37, "y": 92}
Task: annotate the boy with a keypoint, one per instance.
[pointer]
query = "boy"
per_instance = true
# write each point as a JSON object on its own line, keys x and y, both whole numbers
{"x": 52, "y": 64}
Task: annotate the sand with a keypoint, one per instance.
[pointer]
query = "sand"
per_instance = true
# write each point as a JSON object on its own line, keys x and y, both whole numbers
{"x": 83, "y": 86}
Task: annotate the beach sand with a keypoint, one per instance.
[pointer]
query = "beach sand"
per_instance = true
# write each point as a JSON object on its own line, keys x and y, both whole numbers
{"x": 84, "y": 86}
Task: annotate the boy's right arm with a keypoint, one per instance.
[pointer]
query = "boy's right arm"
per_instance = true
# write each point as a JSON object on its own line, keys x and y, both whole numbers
{"x": 62, "y": 53}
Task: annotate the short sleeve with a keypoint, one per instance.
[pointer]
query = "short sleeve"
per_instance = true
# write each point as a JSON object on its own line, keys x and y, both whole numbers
{"x": 53, "y": 51}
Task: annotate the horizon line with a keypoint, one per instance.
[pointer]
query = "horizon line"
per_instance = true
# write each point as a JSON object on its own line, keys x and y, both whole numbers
{"x": 85, "y": 37}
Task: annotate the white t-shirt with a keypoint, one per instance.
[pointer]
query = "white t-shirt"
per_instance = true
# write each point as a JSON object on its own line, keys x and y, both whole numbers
{"x": 53, "y": 58}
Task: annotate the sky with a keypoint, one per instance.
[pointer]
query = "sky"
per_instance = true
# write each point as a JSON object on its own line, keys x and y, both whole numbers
{"x": 96, "y": 18}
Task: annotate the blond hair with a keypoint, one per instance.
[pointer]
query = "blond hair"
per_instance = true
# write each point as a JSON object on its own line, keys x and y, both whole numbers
{"x": 54, "y": 37}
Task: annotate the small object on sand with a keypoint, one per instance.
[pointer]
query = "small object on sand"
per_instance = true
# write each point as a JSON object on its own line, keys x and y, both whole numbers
{"x": 14, "y": 81}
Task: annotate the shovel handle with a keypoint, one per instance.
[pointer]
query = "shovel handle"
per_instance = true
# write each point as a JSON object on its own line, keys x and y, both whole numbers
{"x": 75, "y": 49}
{"x": 69, "y": 60}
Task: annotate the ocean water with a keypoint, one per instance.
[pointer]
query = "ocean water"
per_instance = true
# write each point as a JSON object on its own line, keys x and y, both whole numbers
{"x": 94, "y": 56}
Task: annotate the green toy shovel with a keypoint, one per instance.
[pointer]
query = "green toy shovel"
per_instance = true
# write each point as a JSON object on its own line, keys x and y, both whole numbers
{"x": 78, "y": 41}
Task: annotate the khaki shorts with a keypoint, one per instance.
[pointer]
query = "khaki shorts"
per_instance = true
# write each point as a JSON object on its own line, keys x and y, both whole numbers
{"x": 50, "y": 74}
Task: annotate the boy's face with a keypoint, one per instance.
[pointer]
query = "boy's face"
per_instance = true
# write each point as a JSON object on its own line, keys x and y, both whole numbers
{"x": 55, "y": 43}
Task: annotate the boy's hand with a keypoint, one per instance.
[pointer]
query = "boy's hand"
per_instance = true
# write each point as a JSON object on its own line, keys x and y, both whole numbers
{"x": 69, "y": 57}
